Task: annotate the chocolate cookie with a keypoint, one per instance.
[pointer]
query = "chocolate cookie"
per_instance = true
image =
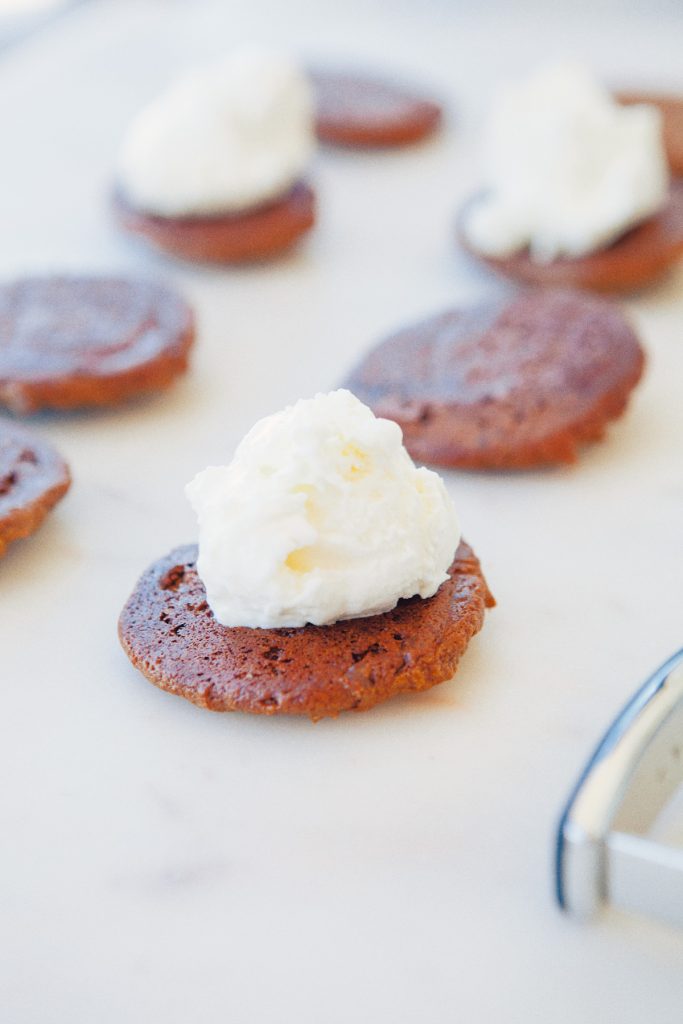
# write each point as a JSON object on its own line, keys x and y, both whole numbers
{"x": 505, "y": 385}
{"x": 361, "y": 110}
{"x": 33, "y": 477}
{"x": 672, "y": 123}
{"x": 170, "y": 634}
{"x": 641, "y": 256}
{"x": 76, "y": 341}
{"x": 254, "y": 234}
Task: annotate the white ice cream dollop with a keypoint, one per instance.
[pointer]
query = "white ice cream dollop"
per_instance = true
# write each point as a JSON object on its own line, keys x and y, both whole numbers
{"x": 222, "y": 139}
{"x": 320, "y": 516}
{"x": 567, "y": 170}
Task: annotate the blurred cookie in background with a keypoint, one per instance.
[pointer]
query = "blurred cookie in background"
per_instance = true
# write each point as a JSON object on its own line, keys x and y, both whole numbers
{"x": 69, "y": 342}
{"x": 513, "y": 384}
{"x": 362, "y": 110}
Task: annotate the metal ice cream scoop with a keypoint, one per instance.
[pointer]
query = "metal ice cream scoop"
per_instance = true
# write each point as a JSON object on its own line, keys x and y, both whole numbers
{"x": 604, "y": 853}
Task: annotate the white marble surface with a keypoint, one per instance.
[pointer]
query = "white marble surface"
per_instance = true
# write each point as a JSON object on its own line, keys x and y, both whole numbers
{"x": 160, "y": 863}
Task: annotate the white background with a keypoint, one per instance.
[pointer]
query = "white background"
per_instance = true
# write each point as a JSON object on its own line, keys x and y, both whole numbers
{"x": 160, "y": 863}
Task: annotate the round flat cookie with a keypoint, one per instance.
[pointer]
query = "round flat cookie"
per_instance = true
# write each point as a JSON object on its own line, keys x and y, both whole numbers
{"x": 170, "y": 634}
{"x": 255, "y": 234}
{"x": 365, "y": 111}
{"x": 672, "y": 122}
{"x": 67, "y": 342}
{"x": 33, "y": 477}
{"x": 505, "y": 385}
{"x": 640, "y": 257}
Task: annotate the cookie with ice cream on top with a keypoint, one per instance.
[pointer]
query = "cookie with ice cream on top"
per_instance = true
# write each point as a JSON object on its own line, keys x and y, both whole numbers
{"x": 215, "y": 168}
{"x": 575, "y": 188}
{"x": 330, "y": 573}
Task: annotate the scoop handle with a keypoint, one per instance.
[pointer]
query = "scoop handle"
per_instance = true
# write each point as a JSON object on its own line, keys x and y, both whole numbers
{"x": 602, "y": 852}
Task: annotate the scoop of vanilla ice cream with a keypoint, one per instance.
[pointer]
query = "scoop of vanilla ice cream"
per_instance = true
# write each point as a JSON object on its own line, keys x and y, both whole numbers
{"x": 222, "y": 139}
{"x": 320, "y": 516}
{"x": 567, "y": 170}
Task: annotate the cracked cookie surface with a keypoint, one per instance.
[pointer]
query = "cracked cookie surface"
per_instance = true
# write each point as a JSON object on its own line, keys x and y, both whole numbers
{"x": 170, "y": 634}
